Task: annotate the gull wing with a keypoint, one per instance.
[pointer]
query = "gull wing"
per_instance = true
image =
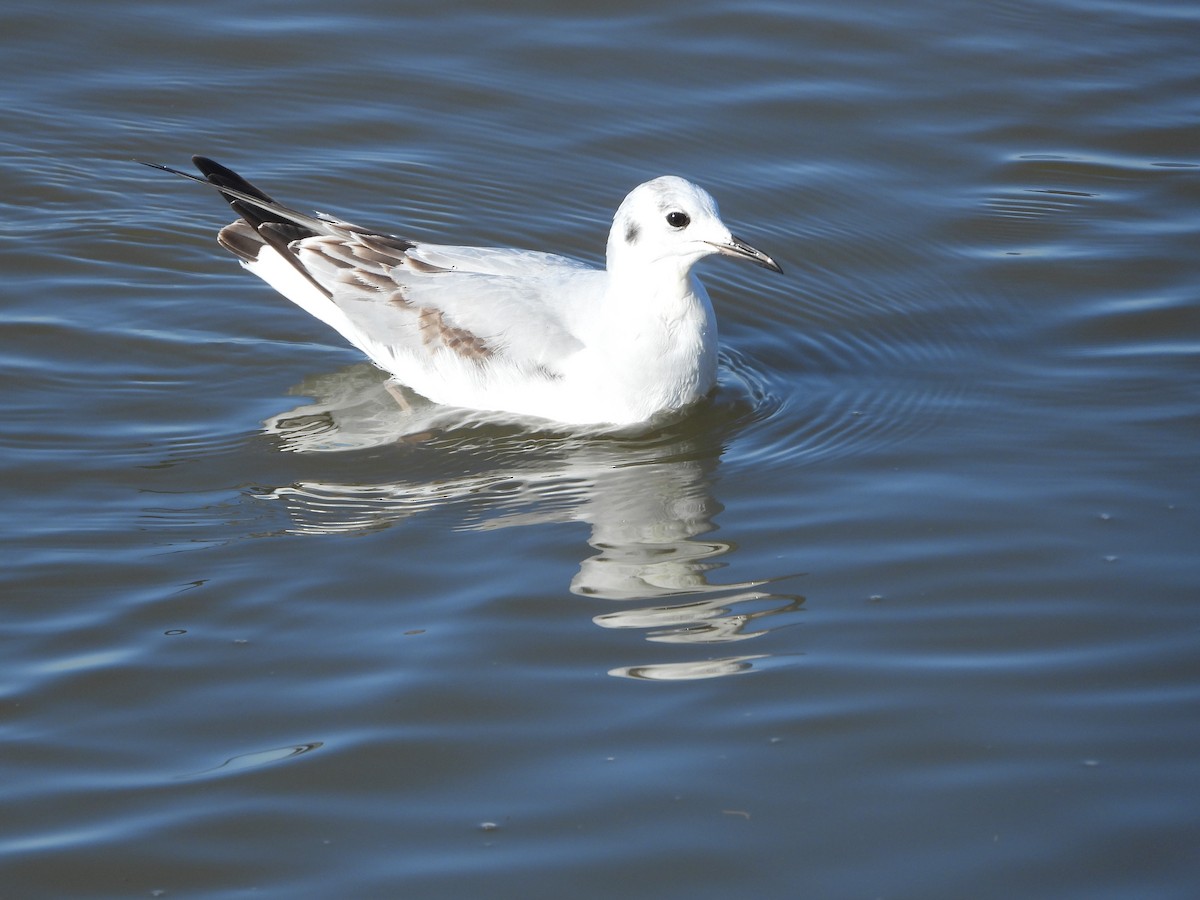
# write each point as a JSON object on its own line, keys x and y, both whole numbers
{"x": 489, "y": 305}
{"x": 410, "y": 305}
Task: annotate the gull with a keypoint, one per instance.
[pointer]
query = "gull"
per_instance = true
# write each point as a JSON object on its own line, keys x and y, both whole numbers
{"x": 504, "y": 330}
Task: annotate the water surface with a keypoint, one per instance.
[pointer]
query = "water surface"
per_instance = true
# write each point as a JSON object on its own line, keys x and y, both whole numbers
{"x": 906, "y": 610}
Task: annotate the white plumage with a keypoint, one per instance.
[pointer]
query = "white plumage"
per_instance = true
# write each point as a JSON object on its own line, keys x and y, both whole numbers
{"x": 516, "y": 331}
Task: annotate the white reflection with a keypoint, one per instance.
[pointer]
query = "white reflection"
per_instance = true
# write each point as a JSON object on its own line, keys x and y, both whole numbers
{"x": 648, "y": 502}
{"x": 689, "y": 671}
{"x": 711, "y": 621}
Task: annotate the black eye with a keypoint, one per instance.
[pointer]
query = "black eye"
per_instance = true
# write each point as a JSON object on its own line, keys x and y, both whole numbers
{"x": 678, "y": 219}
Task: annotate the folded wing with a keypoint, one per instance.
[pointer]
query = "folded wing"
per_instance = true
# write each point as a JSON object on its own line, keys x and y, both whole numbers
{"x": 426, "y": 312}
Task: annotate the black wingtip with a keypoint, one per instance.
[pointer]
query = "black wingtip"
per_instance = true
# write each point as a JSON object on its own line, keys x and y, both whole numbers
{"x": 162, "y": 168}
{"x": 225, "y": 177}
{"x": 273, "y": 224}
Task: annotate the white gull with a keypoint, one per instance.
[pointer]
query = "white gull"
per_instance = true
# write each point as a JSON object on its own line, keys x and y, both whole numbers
{"x": 508, "y": 330}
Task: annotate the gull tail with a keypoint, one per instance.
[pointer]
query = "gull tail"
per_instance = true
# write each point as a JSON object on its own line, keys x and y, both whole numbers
{"x": 263, "y": 220}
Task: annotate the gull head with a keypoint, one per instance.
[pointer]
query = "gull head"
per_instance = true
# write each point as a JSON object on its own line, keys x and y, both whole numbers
{"x": 670, "y": 222}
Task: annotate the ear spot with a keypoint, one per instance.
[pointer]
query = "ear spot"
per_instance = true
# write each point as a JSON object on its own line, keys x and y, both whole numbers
{"x": 632, "y": 232}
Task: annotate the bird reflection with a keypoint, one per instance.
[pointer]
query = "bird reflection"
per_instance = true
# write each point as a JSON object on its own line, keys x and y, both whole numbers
{"x": 648, "y": 501}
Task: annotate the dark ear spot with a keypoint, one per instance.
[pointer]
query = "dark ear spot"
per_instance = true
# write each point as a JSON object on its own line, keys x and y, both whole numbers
{"x": 631, "y": 233}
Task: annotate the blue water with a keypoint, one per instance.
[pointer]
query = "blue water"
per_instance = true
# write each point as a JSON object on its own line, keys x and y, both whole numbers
{"x": 906, "y": 610}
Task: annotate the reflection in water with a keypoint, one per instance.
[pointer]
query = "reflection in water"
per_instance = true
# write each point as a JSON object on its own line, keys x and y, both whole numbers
{"x": 714, "y": 621}
{"x": 646, "y": 499}
{"x": 688, "y": 671}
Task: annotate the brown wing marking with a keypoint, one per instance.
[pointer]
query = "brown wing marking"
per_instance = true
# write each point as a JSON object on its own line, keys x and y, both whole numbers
{"x": 437, "y": 332}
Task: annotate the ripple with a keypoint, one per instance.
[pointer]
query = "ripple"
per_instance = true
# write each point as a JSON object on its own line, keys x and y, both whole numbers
{"x": 861, "y": 393}
{"x": 258, "y": 758}
{"x": 1066, "y": 206}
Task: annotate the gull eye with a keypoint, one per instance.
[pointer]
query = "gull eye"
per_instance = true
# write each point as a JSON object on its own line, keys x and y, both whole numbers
{"x": 678, "y": 219}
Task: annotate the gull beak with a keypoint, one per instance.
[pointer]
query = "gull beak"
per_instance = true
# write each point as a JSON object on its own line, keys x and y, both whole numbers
{"x": 739, "y": 249}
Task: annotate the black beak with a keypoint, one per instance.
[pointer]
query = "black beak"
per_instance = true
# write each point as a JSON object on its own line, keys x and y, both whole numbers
{"x": 739, "y": 249}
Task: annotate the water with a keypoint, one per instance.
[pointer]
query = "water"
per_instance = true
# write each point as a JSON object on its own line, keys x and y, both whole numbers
{"x": 907, "y": 610}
